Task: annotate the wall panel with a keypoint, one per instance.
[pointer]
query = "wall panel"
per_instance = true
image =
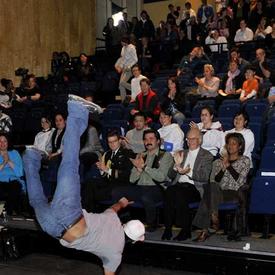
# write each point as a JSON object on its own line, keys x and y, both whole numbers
{"x": 31, "y": 30}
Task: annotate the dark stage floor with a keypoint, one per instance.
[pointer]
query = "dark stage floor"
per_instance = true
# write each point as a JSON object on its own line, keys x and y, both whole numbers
{"x": 41, "y": 264}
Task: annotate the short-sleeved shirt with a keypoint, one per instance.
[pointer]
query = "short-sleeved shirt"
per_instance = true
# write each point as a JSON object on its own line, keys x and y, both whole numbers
{"x": 249, "y": 85}
{"x": 104, "y": 237}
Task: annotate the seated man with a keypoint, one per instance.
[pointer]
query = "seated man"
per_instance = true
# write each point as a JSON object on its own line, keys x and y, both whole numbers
{"x": 191, "y": 171}
{"x": 147, "y": 101}
{"x": 148, "y": 174}
{"x": 134, "y": 137}
{"x": 100, "y": 234}
{"x": 115, "y": 168}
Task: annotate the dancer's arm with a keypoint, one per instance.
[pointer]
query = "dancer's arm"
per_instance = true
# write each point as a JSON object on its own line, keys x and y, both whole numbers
{"x": 122, "y": 203}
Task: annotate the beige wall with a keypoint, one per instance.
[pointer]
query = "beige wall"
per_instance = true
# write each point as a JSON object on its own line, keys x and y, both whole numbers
{"x": 30, "y": 30}
{"x": 159, "y": 10}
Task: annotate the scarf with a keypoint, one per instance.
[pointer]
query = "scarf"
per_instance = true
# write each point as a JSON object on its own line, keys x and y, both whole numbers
{"x": 229, "y": 82}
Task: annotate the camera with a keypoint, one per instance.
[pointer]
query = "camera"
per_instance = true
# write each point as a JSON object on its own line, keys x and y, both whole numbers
{"x": 23, "y": 72}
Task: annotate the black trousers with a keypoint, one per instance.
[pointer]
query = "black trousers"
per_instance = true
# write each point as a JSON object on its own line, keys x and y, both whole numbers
{"x": 176, "y": 201}
{"x": 11, "y": 193}
{"x": 147, "y": 195}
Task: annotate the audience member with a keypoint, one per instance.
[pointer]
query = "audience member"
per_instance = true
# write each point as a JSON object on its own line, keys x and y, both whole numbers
{"x": 215, "y": 38}
{"x": 145, "y": 26}
{"x": 193, "y": 64}
{"x": 209, "y": 84}
{"x": 42, "y": 140}
{"x": 174, "y": 100}
{"x": 147, "y": 101}
{"x": 8, "y": 95}
{"x": 11, "y": 173}
{"x": 243, "y": 34}
{"x": 212, "y": 131}
{"x": 188, "y": 10}
{"x": 256, "y": 15}
{"x": 262, "y": 29}
{"x": 172, "y": 137}
{"x": 115, "y": 168}
{"x": 262, "y": 71}
{"x": 250, "y": 86}
{"x": 145, "y": 55}
{"x": 30, "y": 91}
{"x": 84, "y": 70}
{"x": 270, "y": 37}
{"x": 242, "y": 63}
{"x": 191, "y": 171}
{"x": 124, "y": 64}
{"x": 5, "y": 123}
{"x": 134, "y": 137}
{"x": 228, "y": 175}
{"x": 135, "y": 82}
{"x": 231, "y": 82}
{"x": 241, "y": 121}
{"x": 112, "y": 37}
{"x": 147, "y": 177}
{"x": 205, "y": 12}
{"x": 172, "y": 15}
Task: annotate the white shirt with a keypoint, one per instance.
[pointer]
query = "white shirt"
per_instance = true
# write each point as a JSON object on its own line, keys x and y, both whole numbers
{"x": 189, "y": 161}
{"x": 243, "y": 36}
{"x": 128, "y": 56}
{"x": 135, "y": 86}
{"x": 43, "y": 139}
{"x": 215, "y": 48}
{"x": 249, "y": 141}
{"x": 213, "y": 138}
{"x": 172, "y": 134}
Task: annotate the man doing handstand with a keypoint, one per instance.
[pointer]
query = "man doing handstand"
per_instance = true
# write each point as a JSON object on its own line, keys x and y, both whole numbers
{"x": 63, "y": 218}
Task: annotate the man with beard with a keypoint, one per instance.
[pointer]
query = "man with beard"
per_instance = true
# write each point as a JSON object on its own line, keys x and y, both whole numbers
{"x": 148, "y": 174}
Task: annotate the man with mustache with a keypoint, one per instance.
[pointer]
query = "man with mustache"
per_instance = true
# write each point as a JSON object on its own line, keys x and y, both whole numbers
{"x": 148, "y": 174}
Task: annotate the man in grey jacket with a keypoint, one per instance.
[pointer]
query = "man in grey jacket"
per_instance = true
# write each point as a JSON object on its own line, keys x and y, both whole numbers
{"x": 190, "y": 172}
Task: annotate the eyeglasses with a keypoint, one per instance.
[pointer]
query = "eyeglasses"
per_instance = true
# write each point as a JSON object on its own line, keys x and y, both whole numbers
{"x": 191, "y": 139}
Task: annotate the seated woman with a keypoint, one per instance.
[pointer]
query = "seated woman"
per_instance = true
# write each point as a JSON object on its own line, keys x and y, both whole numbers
{"x": 209, "y": 84}
{"x": 172, "y": 137}
{"x": 213, "y": 136}
{"x": 174, "y": 100}
{"x": 11, "y": 173}
{"x": 229, "y": 174}
{"x": 30, "y": 91}
{"x": 250, "y": 86}
{"x": 52, "y": 162}
{"x": 42, "y": 139}
{"x": 241, "y": 120}
{"x": 231, "y": 82}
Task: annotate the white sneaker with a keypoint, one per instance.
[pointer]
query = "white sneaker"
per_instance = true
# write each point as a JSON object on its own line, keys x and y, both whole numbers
{"x": 92, "y": 107}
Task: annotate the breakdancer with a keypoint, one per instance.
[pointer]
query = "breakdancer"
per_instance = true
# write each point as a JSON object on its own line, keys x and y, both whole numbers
{"x": 63, "y": 218}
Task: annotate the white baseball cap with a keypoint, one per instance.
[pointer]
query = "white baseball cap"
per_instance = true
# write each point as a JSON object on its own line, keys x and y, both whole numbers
{"x": 135, "y": 230}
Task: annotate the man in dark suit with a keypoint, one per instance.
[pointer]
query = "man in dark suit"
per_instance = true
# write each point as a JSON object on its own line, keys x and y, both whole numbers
{"x": 190, "y": 172}
{"x": 115, "y": 168}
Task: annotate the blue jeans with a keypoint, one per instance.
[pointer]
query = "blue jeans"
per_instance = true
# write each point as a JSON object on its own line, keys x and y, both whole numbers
{"x": 65, "y": 208}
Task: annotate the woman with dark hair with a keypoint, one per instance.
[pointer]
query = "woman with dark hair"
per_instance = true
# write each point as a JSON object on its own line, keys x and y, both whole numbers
{"x": 112, "y": 36}
{"x": 53, "y": 160}
{"x": 241, "y": 121}
{"x": 84, "y": 68}
{"x": 30, "y": 91}
{"x": 174, "y": 100}
{"x": 11, "y": 173}
{"x": 229, "y": 174}
{"x": 213, "y": 136}
{"x": 42, "y": 140}
{"x": 230, "y": 83}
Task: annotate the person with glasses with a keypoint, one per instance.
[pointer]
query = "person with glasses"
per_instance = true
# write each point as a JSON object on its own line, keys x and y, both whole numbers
{"x": 190, "y": 172}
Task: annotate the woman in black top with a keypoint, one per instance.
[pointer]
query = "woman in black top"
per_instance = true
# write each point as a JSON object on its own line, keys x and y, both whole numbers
{"x": 174, "y": 100}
